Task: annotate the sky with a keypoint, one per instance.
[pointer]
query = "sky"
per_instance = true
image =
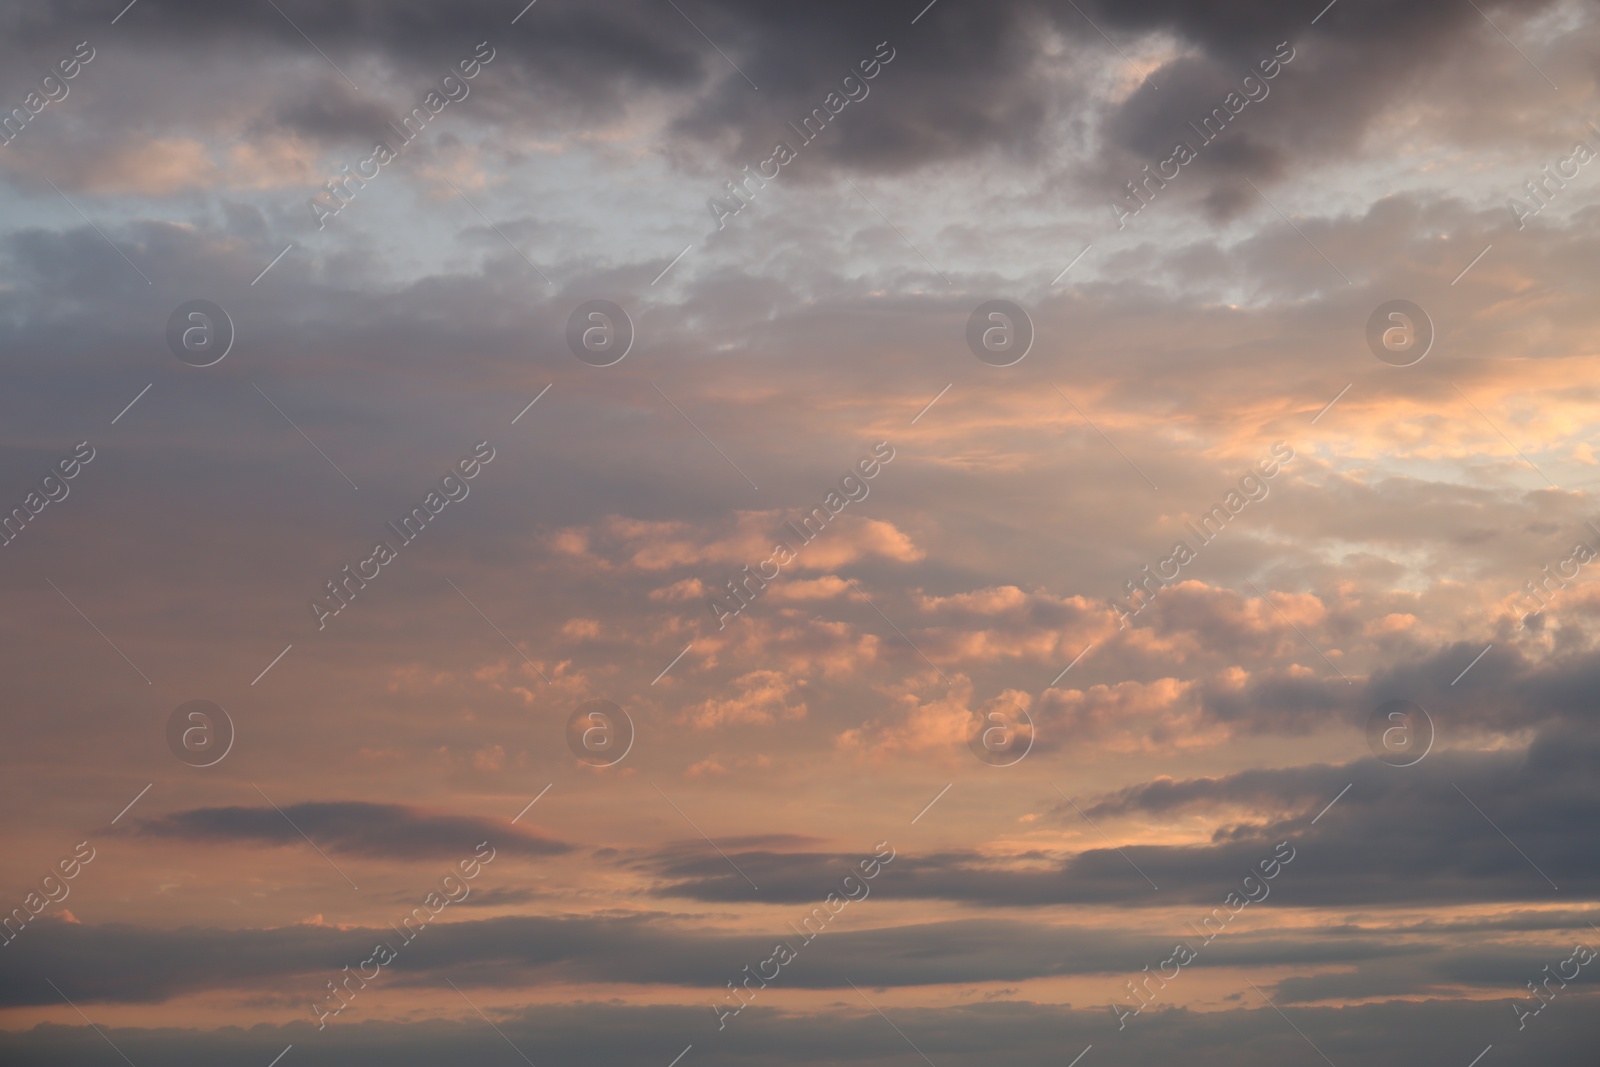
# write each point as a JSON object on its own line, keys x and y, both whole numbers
{"x": 708, "y": 534}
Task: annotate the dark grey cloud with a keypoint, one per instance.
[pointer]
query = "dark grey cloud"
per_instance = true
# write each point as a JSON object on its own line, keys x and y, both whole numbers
{"x": 329, "y": 110}
{"x": 387, "y": 831}
{"x": 967, "y": 82}
{"x": 1358, "y": 63}
{"x": 115, "y": 963}
{"x": 1398, "y": 836}
{"x": 1413, "y": 834}
{"x": 1395, "y": 1034}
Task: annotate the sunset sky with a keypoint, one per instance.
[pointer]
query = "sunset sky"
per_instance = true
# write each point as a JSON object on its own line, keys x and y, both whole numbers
{"x": 1213, "y": 683}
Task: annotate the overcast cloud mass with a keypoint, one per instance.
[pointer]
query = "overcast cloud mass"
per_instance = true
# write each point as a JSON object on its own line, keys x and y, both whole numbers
{"x": 683, "y": 533}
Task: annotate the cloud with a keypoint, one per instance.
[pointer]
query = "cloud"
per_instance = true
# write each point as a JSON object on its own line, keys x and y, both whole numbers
{"x": 1010, "y": 82}
{"x": 1397, "y": 836}
{"x": 1391, "y": 1034}
{"x": 101, "y": 964}
{"x": 1221, "y": 721}
{"x": 761, "y": 698}
{"x": 359, "y": 828}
